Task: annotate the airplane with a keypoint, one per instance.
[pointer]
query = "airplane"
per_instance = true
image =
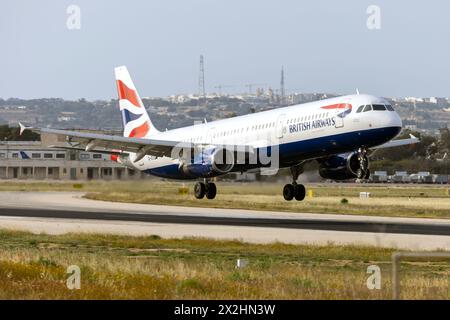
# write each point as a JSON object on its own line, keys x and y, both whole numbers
{"x": 339, "y": 133}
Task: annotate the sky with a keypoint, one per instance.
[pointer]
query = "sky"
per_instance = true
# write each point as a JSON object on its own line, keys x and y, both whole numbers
{"x": 324, "y": 46}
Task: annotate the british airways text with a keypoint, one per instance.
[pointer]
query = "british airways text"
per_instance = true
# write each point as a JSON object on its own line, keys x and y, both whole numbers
{"x": 314, "y": 124}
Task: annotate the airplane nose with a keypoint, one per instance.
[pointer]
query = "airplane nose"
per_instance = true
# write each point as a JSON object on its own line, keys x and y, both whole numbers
{"x": 395, "y": 123}
{"x": 398, "y": 120}
{"x": 392, "y": 119}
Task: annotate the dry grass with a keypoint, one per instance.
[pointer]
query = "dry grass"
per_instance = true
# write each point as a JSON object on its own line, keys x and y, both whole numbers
{"x": 225, "y": 187}
{"x": 430, "y": 202}
{"x": 121, "y": 267}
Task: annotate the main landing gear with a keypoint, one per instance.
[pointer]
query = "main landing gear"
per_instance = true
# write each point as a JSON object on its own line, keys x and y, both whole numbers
{"x": 294, "y": 190}
{"x": 205, "y": 188}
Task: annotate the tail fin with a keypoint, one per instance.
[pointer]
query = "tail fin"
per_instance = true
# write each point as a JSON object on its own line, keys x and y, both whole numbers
{"x": 136, "y": 122}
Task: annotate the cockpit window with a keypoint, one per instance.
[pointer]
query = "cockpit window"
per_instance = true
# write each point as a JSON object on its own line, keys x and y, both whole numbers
{"x": 359, "y": 109}
{"x": 367, "y": 108}
{"x": 378, "y": 107}
{"x": 389, "y": 107}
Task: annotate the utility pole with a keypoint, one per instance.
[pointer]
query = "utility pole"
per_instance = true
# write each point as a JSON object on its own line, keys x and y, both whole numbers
{"x": 201, "y": 79}
{"x": 7, "y": 149}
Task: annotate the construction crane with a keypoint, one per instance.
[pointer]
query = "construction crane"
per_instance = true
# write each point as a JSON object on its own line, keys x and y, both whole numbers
{"x": 221, "y": 86}
{"x": 251, "y": 85}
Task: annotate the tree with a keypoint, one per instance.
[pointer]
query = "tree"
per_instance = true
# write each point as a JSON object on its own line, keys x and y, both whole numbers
{"x": 427, "y": 147}
{"x": 13, "y": 134}
{"x": 444, "y": 142}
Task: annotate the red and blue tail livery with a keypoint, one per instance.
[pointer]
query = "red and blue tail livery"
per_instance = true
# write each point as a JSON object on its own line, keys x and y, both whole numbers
{"x": 136, "y": 122}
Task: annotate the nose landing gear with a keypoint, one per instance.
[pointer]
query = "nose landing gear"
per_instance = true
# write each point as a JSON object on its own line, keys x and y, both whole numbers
{"x": 294, "y": 190}
{"x": 202, "y": 189}
{"x": 363, "y": 172}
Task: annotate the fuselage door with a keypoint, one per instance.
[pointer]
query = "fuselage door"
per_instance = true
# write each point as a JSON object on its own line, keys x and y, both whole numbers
{"x": 341, "y": 112}
{"x": 211, "y": 135}
{"x": 339, "y": 120}
{"x": 280, "y": 126}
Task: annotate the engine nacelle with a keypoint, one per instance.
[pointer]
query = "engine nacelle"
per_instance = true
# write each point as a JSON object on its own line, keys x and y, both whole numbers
{"x": 340, "y": 167}
{"x": 210, "y": 162}
{"x": 123, "y": 159}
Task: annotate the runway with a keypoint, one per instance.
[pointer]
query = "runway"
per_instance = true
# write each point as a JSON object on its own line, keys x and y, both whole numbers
{"x": 292, "y": 223}
{"x": 60, "y": 212}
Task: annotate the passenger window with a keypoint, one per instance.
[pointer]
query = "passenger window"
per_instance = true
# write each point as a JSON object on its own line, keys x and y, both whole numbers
{"x": 359, "y": 109}
{"x": 389, "y": 107}
{"x": 379, "y": 107}
{"x": 367, "y": 108}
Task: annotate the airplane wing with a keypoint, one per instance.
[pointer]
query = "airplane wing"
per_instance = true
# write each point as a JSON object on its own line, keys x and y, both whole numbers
{"x": 395, "y": 143}
{"x": 103, "y": 151}
{"x": 93, "y": 141}
{"x": 110, "y": 144}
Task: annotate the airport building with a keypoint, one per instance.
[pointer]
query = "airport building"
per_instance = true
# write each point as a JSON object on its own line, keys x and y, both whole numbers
{"x": 35, "y": 160}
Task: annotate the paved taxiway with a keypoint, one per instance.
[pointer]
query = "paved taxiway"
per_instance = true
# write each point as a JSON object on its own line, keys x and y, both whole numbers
{"x": 60, "y": 212}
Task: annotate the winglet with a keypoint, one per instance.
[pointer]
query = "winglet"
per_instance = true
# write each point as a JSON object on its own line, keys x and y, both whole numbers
{"x": 413, "y": 137}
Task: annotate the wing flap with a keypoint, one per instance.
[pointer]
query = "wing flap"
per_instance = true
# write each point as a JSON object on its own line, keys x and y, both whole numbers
{"x": 95, "y": 142}
{"x": 91, "y": 141}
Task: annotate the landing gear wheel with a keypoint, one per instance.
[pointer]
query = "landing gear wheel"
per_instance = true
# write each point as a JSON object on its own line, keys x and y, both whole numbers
{"x": 199, "y": 190}
{"x": 288, "y": 192}
{"x": 211, "y": 190}
{"x": 367, "y": 175}
{"x": 299, "y": 192}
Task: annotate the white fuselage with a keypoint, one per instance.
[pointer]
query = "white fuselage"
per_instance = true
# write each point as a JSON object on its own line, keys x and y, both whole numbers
{"x": 302, "y": 131}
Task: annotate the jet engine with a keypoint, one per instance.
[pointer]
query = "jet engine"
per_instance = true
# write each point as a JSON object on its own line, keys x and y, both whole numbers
{"x": 344, "y": 166}
{"x": 209, "y": 162}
